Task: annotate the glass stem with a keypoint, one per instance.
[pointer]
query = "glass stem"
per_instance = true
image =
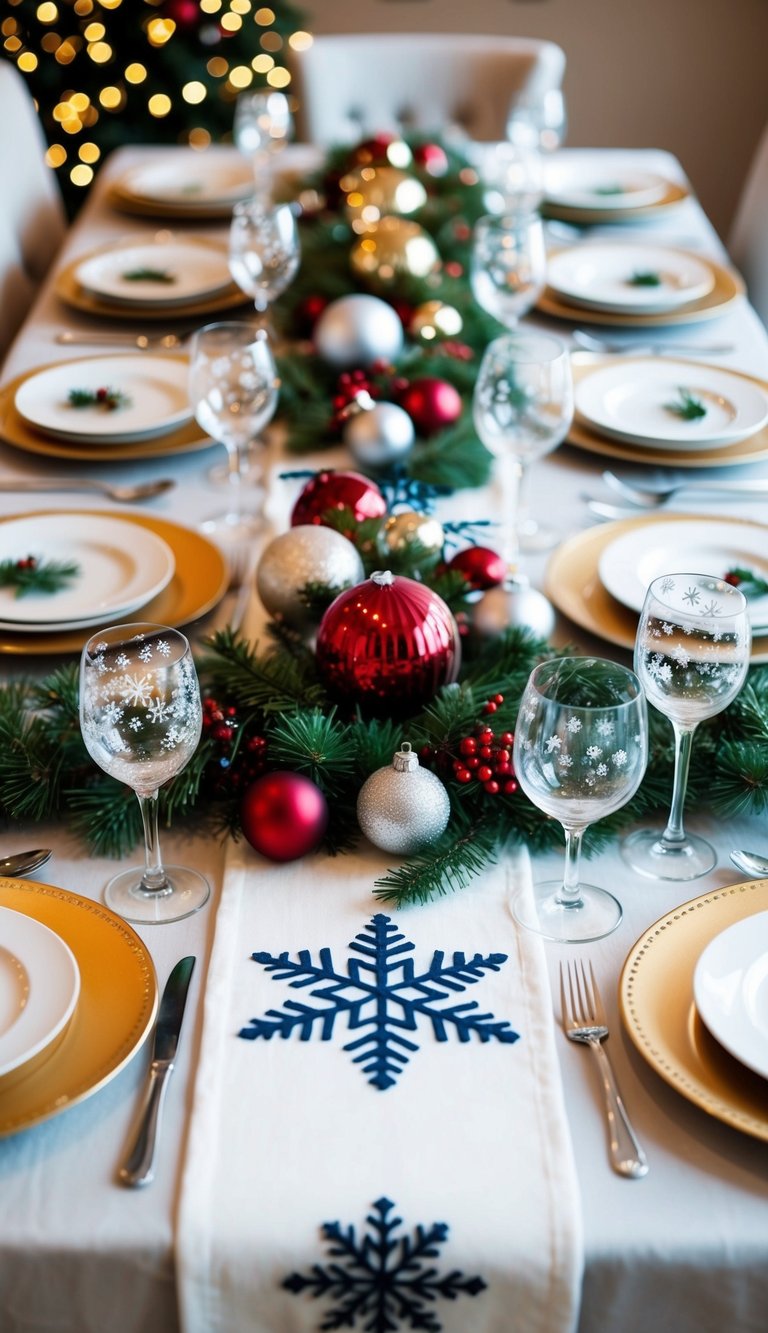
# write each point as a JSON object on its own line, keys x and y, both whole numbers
{"x": 674, "y": 834}
{"x": 235, "y": 476}
{"x": 570, "y": 895}
{"x": 154, "y": 880}
{"x": 511, "y": 475}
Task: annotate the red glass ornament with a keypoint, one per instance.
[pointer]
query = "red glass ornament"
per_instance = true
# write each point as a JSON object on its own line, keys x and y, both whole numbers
{"x": 338, "y": 490}
{"x": 432, "y": 404}
{"x": 388, "y": 645}
{"x": 185, "y": 13}
{"x": 481, "y": 567}
{"x": 432, "y": 158}
{"x": 284, "y": 816}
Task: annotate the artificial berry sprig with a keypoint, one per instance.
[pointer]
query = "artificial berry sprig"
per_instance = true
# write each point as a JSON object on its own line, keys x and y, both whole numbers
{"x": 109, "y": 399}
{"x": 238, "y": 759}
{"x": 483, "y": 757}
{"x": 32, "y": 575}
{"x": 747, "y": 582}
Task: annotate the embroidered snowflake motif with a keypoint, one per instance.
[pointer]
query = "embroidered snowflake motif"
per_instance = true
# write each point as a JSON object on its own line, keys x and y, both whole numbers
{"x": 604, "y": 727}
{"x": 619, "y": 758}
{"x": 383, "y": 1280}
{"x": 667, "y": 585}
{"x": 381, "y": 995}
{"x": 594, "y": 751}
{"x": 553, "y": 743}
{"x": 692, "y": 596}
{"x": 573, "y": 725}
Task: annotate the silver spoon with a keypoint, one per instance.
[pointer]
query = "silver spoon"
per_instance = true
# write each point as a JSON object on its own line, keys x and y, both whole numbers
{"x": 144, "y": 341}
{"x": 143, "y": 490}
{"x": 24, "y": 862}
{"x": 751, "y": 864}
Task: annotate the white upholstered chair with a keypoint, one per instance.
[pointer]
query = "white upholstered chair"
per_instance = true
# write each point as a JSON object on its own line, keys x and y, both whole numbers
{"x": 748, "y": 238}
{"x": 363, "y": 83}
{"x": 32, "y": 219}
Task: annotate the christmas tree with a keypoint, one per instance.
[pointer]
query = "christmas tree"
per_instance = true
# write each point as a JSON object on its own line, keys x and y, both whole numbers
{"x": 111, "y": 72}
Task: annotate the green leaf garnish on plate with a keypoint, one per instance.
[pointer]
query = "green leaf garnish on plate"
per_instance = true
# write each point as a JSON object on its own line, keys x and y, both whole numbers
{"x": 109, "y": 399}
{"x": 645, "y": 278}
{"x": 149, "y": 275}
{"x": 32, "y": 575}
{"x": 609, "y": 189}
{"x": 747, "y": 582}
{"x": 688, "y": 407}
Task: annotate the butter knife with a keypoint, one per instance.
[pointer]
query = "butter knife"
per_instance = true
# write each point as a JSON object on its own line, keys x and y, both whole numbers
{"x": 138, "y": 1168}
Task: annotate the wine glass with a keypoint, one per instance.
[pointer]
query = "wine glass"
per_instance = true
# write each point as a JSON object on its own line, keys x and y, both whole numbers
{"x": 539, "y": 120}
{"x": 262, "y": 126}
{"x": 508, "y": 264}
{"x": 691, "y": 653}
{"x": 580, "y": 752}
{"x": 522, "y": 408}
{"x": 233, "y": 389}
{"x": 264, "y": 252}
{"x": 141, "y": 719}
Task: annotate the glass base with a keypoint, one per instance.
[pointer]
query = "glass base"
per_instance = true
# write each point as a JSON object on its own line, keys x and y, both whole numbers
{"x": 533, "y": 536}
{"x": 251, "y": 471}
{"x": 646, "y": 853}
{"x": 189, "y": 891}
{"x": 594, "y": 914}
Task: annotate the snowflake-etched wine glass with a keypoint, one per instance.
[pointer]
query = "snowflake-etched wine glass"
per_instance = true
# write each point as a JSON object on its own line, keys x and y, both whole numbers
{"x": 263, "y": 124}
{"x": 264, "y": 250}
{"x": 141, "y": 719}
{"x": 522, "y": 409}
{"x": 508, "y": 264}
{"x": 580, "y": 752}
{"x": 691, "y": 653}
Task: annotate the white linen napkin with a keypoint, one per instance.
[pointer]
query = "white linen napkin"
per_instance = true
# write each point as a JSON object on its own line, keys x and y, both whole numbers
{"x": 464, "y": 1164}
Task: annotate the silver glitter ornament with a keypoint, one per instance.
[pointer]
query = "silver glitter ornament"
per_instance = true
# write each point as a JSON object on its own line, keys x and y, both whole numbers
{"x": 379, "y": 434}
{"x": 514, "y": 603}
{"x": 403, "y": 808}
{"x": 306, "y": 554}
{"x": 357, "y": 330}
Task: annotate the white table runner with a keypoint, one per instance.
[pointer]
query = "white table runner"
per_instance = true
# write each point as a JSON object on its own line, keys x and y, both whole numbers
{"x": 465, "y": 1158}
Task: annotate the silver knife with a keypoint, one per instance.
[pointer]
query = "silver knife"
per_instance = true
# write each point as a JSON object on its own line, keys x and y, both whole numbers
{"x": 138, "y": 1168}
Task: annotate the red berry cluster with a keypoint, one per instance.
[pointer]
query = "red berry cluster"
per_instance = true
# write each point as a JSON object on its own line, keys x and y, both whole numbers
{"x": 483, "y": 757}
{"x": 378, "y": 380}
{"x": 29, "y": 562}
{"x": 220, "y": 725}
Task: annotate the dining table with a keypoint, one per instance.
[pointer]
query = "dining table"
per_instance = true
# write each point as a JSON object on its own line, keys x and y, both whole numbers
{"x": 685, "y": 1248}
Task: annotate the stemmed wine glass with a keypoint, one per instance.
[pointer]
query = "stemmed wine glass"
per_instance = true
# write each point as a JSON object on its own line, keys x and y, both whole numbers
{"x": 262, "y": 126}
{"x": 508, "y": 264}
{"x": 522, "y": 409}
{"x": 580, "y": 752}
{"x": 691, "y": 653}
{"x": 233, "y": 389}
{"x": 264, "y": 250}
{"x": 539, "y": 120}
{"x": 141, "y": 719}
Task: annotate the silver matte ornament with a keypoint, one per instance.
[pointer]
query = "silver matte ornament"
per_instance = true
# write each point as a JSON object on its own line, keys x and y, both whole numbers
{"x": 403, "y": 808}
{"x": 514, "y": 603}
{"x": 357, "y": 330}
{"x": 306, "y": 554}
{"x": 379, "y": 434}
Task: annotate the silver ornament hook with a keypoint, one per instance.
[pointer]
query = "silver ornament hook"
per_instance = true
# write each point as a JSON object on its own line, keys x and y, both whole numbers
{"x": 406, "y": 759}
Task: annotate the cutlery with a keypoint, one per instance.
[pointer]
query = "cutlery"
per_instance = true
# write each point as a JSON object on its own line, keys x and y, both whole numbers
{"x": 751, "y": 864}
{"x": 138, "y": 1168}
{"x": 23, "y": 863}
{"x": 651, "y": 498}
{"x": 143, "y": 341}
{"x": 583, "y": 1018}
{"x": 592, "y": 344}
{"x": 143, "y": 490}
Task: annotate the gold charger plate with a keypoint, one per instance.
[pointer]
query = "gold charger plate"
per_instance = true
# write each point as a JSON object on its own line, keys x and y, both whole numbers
{"x": 199, "y": 582}
{"x": 115, "y": 1010}
{"x": 572, "y": 581}
{"x": 69, "y": 291}
{"x": 658, "y": 1010}
{"x": 125, "y": 201}
{"x": 728, "y": 286}
{"x": 584, "y": 436}
{"x": 674, "y": 194}
{"x": 16, "y": 431}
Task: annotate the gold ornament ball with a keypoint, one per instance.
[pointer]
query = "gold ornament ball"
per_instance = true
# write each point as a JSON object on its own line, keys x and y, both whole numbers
{"x": 432, "y": 321}
{"x": 375, "y": 192}
{"x": 394, "y": 249}
{"x": 410, "y": 530}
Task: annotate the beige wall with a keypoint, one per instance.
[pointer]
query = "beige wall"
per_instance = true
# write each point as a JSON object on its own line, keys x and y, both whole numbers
{"x": 687, "y": 75}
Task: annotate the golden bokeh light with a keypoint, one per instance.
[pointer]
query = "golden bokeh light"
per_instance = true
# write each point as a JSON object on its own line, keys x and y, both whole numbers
{"x": 271, "y": 41}
{"x": 241, "y": 77}
{"x": 300, "y": 41}
{"x": 218, "y": 67}
{"x": 79, "y": 102}
{"x": 47, "y": 12}
{"x": 12, "y": 44}
{"x": 264, "y": 17}
{"x": 135, "y": 73}
{"x": 263, "y": 64}
{"x": 160, "y": 31}
{"x": 210, "y": 6}
{"x": 199, "y": 138}
{"x": 110, "y": 97}
{"x": 56, "y": 155}
{"x": 50, "y": 42}
{"x": 278, "y": 78}
{"x": 83, "y": 8}
{"x": 159, "y": 105}
{"x": 194, "y": 92}
{"x": 231, "y": 23}
{"x": 27, "y": 62}
{"x": 94, "y": 32}
{"x": 100, "y": 52}
{"x": 240, "y": 6}
{"x": 89, "y": 152}
{"x": 81, "y": 174}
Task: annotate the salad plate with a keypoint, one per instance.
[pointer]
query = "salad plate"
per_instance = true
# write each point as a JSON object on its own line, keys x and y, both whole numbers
{"x": 169, "y": 272}
{"x": 39, "y": 988}
{"x": 730, "y": 988}
{"x": 120, "y": 398}
{"x": 629, "y": 279}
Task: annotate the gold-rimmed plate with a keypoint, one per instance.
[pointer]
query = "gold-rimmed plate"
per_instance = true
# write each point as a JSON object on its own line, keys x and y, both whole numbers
{"x": 14, "y": 430}
{"x": 728, "y": 286}
{"x": 115, "y": 1009}
{"x": 572, "y": 582}
{"x": 199, "y": 582}
{"x": 658, "y": 1010}
{"x": 585, "y": 215}
{"x": 69, "y": 290}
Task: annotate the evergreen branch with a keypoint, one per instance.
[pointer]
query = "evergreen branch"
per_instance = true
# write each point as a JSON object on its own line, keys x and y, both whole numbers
{"x": 32, "y": 575}
{"x": 447, "y": 866}
{"x": 316, "y": 744}
{"x": 273, "y": 682}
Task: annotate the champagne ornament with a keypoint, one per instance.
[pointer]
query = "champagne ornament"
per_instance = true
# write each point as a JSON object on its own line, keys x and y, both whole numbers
{"x": 403, "y": 808}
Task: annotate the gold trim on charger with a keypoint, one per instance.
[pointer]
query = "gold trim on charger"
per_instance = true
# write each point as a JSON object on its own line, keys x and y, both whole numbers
{"x": 585, "y": 216}
{"x": 114, "y": 1013}
{"x": 572, "y": 582}
{"x": 658, "y": 1010}
{"x": 199, "y": 582}
{"x": 729, "y": 285}
{"x": 584, "y": 436}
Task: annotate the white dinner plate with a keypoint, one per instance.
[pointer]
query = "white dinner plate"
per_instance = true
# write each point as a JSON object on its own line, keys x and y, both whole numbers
{"x": 190, "y": 270}
{"x": 121, "y": 567}
{"x": 582, "y": 187}
{"x": 730, "y": 990}
{"x": 196, "y": 182}
{"x": 39, "y": 987}
{"x": 629, "y": 563}
{"x": 602, "y": 276}
{"x": 156, "y": 389}
{"x": 633, "y": 401}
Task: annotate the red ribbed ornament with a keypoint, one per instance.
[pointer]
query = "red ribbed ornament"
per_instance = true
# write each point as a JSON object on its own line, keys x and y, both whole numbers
{"x": 388, "y": 645}
{"x": 338, "y": 490}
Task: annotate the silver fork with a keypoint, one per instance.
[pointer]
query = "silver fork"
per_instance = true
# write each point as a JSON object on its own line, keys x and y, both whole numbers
{"x": 656, "y": 345}
{"x": 652, "y": 498}
{"x": 583, "y": 1018}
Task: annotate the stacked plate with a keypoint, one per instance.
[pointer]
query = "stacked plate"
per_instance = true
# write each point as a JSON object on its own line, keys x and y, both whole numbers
{"x": 167, "y": 278}
{"x": 193, "y": 185}
{"x": 39, "y": 989}
{"x": 582, "y": 194}
{"x": 638, "y": 285}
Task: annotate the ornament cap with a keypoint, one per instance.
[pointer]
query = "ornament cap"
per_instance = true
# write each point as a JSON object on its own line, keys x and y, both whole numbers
{"x": 383, "y": 577}
{"x": 406, "y": 759}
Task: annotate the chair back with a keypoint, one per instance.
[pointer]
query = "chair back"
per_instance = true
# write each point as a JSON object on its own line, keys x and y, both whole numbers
{"x": 32, "y": 218}
{"x": 748, "y": 238}
{"x": 351, "y": 85}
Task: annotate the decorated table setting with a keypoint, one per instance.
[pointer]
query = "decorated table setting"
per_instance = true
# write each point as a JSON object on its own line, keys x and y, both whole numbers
{"x": 376, "y": 1120}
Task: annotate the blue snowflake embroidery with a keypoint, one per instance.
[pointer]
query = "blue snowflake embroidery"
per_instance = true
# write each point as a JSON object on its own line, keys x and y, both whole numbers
{"x": 382, "y": 1279}
{"x": 382, "y": 995}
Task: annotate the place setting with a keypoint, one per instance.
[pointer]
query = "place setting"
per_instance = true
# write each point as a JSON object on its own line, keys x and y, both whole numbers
{"x": 189, "y": 186}
{"x": 587, "y": 195}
